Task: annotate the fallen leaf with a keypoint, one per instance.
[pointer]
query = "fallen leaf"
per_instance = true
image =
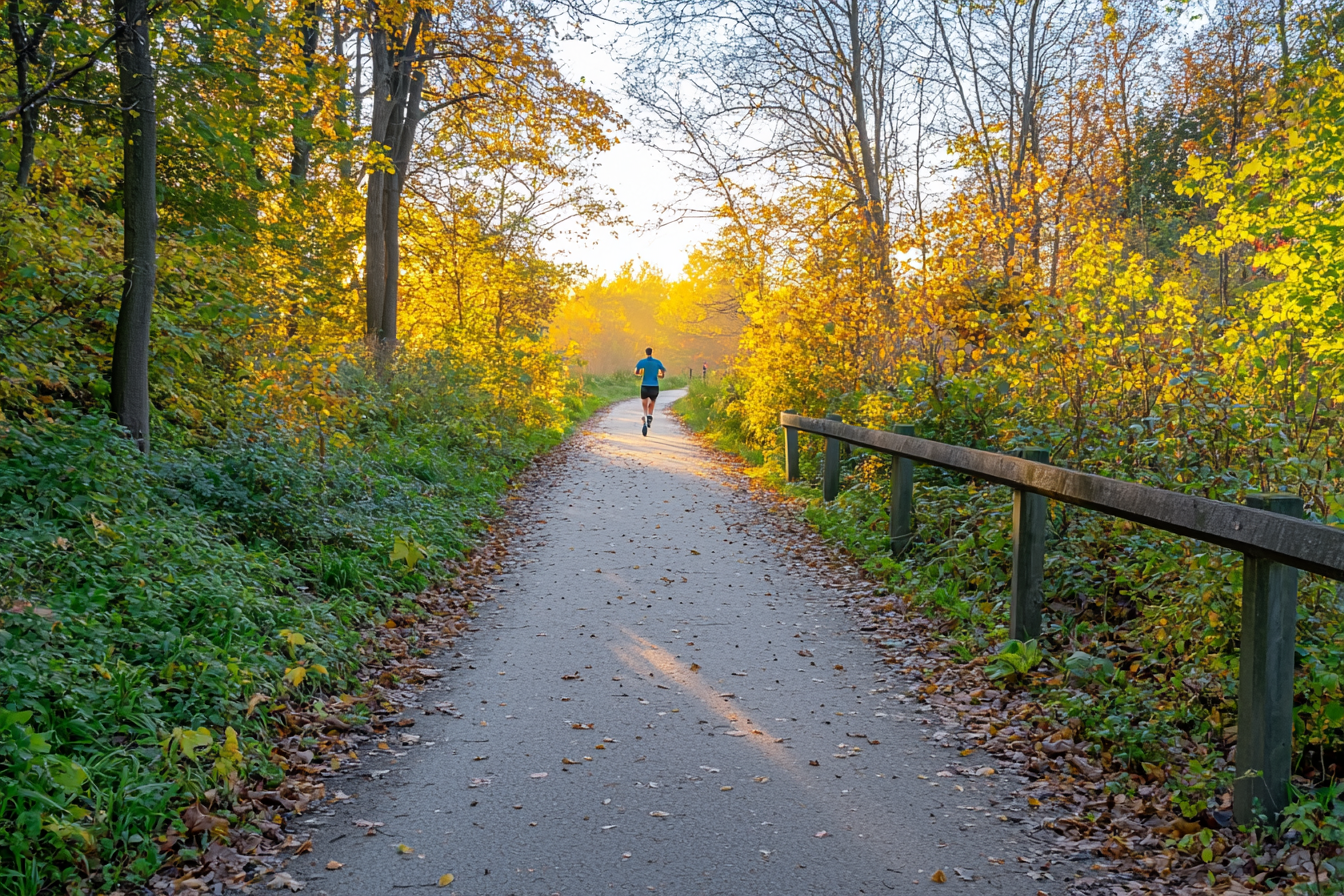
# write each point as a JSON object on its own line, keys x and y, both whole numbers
{"x": 404, "y": 849}
{"x": 726, "y": 787}
{"x": 334, "y": 865}
{"x": 284, "y": 880}
{"x": 361, "y": 823}
{"x": 697, "y": 553}
{"x": 736, "y": 733}
{"x": 939, "y": 877}
{"x": 984, "y": 772}
{"x": 695, "y": 667}
{"x": 304, "y": 847}
{"x": 815, "y": 762}
{"x": 539, "y": 774}
{"x": 760, "y": 779}
{"x": 820, "y": 834}
{"x": 805, "y": 652}
{"x": 446, "y": 880}
{"x": 657, "y": 814}
{"x": 964, "y": 874}
{"x": 256, "y": 698}
{"x": 1033, "y": 802}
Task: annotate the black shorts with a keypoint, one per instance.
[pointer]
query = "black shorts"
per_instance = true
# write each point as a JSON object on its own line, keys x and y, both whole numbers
{"x": 648, "y": 391}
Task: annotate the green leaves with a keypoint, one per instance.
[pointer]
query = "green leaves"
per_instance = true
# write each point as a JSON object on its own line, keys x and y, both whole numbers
{"x": 408, "y": 550}
{"x": 212, "y": 574}
{"x": 1085, "y": 666}
{"x": 185, "y": 742}
{"x": 1015, "y": 658}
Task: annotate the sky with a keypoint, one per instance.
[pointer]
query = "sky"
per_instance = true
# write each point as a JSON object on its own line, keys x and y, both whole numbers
{"x": 644, "y": 183}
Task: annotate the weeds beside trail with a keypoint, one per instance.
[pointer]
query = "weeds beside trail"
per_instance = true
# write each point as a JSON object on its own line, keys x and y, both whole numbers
{"x": 154, "y": 609}
{"x": 616, "y": 386}
{"x": 1126, "y": 707}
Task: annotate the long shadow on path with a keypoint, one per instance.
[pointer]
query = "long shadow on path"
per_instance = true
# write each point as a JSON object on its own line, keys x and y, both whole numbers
{"x": 637, "y": 717}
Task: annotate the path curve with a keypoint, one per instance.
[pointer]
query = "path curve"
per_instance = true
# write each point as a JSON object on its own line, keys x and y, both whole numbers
{"x": 638, "y": 716}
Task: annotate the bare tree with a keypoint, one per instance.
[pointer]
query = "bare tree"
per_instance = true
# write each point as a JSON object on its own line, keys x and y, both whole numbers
{"x": 765, "y": 88}
{"x": 1003, "y": 64}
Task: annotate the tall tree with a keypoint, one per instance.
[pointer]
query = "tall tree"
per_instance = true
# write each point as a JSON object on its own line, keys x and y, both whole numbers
{"x": 139, "y": 129}
{"x": 310, "y": 33}
{"x": 811, "y": 88}
{"x": 397, "y": 87}
{"x": 40, "y": 69}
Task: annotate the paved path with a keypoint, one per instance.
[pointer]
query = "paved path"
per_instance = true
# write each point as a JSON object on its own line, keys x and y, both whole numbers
{"x": 711, "y": 754}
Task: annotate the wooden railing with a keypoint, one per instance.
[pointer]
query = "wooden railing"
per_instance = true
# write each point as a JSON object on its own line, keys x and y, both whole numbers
{"x": 1267, "y": 529}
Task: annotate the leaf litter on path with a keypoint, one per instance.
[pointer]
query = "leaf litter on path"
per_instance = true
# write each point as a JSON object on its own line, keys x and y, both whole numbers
{"x": 1068, "y": 795}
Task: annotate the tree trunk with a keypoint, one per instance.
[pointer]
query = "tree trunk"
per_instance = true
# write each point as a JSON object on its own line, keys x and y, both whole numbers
{"x": 303, "y": 147}
{"x": 23, "y": 53}
{"x": 396, "y": 85}
{"x": 130, "y": 351}
{"x": 375, "y": 257}
{"x": 1281, "y": 26}
{"x": 339, "y": 36}
{"x": 401, "y": 158}
{"x": 875, "y": 210}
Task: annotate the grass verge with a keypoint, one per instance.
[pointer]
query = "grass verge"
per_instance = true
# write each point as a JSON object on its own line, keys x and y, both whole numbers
{"x": 148, "y": 604}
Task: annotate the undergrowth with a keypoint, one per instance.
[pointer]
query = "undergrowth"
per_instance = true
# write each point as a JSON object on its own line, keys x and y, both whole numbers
{"x": 144, "y": 599}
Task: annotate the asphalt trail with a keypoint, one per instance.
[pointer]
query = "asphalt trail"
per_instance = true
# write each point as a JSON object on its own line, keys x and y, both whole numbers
{"x": 712, "y": 754}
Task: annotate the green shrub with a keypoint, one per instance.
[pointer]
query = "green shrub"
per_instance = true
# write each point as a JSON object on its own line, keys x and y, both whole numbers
{"x": 147, "y": 596}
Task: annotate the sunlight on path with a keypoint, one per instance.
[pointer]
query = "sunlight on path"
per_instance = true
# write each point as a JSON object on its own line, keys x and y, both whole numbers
{"x": 654, "y": 706}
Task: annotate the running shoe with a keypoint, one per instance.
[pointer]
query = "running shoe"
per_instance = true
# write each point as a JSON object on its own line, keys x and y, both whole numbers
{"x": 644, "y": 430}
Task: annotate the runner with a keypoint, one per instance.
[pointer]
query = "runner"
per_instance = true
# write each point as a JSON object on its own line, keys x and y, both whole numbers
{"x": 652, "y": 370}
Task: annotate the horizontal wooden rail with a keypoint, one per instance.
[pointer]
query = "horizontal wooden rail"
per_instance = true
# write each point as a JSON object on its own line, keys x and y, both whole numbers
{"x": 1268, "y": 530}
{"x": 1300, "y": 543}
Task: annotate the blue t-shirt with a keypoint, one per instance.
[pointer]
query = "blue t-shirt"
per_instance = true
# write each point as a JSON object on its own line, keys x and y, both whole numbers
{"x": 650, "y": 366}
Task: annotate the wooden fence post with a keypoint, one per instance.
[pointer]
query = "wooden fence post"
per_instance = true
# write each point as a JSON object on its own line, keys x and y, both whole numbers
{"x": 1265, "y": 685}
{"x": 830, "y": 479}
{"x": 900, "y": 529}
{"x": 790, "y": 451}
{"x": 1030, "y": 512}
